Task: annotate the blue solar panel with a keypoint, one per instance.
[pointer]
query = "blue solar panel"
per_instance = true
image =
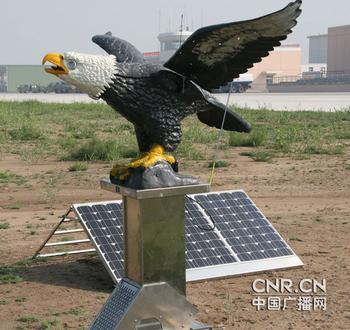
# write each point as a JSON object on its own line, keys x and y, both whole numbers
{"x": 103, "y": 221}
{"x": 226, "y": 234}
{"x": 117, "y": 304}
{"x": 244, "y": 227}
{"x": 204, "y": 247}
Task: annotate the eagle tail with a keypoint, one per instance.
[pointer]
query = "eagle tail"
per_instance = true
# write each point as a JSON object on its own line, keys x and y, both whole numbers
{"x": 214, "y": 116}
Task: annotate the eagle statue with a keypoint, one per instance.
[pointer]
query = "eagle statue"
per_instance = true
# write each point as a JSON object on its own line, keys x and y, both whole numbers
{"x": 155, "y": 98}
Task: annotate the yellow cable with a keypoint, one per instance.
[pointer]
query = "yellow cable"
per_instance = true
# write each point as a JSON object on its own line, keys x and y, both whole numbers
{"x": 211, "y": 179}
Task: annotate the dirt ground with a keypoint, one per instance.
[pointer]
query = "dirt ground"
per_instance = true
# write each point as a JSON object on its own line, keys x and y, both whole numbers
{"x": 308, "y": 201}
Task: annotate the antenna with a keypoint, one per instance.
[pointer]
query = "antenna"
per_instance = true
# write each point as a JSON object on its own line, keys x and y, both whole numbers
{"x": 181, "y": 28}
{"x": 159, "y": 21}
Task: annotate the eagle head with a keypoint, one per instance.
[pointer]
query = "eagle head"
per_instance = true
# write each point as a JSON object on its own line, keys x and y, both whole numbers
{"x": 91, "y": 74}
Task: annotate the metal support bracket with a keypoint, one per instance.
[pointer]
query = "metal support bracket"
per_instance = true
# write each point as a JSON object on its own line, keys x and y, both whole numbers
{"x": 152, "y": 306}
{"x": 66, "y": 218}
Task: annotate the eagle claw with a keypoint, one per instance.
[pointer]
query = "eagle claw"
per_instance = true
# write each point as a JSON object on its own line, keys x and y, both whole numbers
{"x": 146, "y": 159}
{"x": 149, "y": 158}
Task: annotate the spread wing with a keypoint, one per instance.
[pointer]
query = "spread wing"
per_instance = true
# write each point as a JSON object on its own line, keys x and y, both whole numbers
{"x": 214, "y": 55}
{"x": 121, "y": 49}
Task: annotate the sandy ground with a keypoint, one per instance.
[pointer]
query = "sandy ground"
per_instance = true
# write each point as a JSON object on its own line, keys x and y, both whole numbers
{"x": 308, "y": 201}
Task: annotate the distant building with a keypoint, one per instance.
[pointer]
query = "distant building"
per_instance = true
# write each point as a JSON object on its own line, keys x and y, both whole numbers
{"x": 170, "y": 42}
{"x": 13, "y": 76}
{"x": 152, "y": 57}
{"x": 283, "y": 61}
{"x": 339, "y": 49}
{"x": 318, "y": 49}
{"x": 330, "y": 52}
{"x": 328, "y": 69}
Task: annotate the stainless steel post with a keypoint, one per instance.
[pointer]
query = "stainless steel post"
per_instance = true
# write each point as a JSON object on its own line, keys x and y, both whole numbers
{"x": 154, "y": 233}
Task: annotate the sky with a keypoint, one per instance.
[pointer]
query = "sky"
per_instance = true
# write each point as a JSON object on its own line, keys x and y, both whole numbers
{"x": 31, "y": 28}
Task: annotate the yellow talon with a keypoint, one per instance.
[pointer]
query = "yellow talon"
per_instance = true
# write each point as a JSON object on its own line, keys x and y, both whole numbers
{"x": 147, "y": 159}
{"x": 157, "y": 153}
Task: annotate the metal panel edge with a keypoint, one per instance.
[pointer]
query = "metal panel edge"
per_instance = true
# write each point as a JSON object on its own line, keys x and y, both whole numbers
{"x": 117, "y": 201}
{"x": 239, "y": 268}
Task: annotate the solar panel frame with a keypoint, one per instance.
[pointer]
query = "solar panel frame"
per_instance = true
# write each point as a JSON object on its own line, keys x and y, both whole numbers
{"x": 109, "y": 266}
{"x": 212, "y": 267}
{"x": 243, "y": 267}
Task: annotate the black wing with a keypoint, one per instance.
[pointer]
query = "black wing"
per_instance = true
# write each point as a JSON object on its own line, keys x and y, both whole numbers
{"x": 214, "y": 55}
{"x": 121, "y": 49}
{"x": 214, "y": 116}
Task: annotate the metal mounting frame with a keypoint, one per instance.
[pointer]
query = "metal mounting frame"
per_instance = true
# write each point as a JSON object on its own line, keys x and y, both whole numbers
{"x": 64, "y": 219}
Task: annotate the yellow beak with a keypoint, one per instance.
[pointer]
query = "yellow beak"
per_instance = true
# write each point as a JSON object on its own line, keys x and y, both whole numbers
{"x": 58, "y": 62}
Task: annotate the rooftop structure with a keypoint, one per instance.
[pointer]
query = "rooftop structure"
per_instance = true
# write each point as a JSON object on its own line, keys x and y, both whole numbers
{"x": 318, "y": 46}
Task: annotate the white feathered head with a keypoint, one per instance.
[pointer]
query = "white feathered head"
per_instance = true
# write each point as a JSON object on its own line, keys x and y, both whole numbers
{"x": 91, "y": 74}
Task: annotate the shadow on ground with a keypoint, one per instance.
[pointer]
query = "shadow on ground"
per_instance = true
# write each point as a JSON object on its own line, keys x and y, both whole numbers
{"x": 86, "y": 274}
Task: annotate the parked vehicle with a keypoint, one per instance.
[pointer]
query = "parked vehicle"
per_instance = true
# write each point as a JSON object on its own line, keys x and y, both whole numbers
{"x": 239, "y": 85}
{"x": 57, "y": 87}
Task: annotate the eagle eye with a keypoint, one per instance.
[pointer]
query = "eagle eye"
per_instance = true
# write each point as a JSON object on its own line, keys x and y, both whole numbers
{"x": 71, "y": 64}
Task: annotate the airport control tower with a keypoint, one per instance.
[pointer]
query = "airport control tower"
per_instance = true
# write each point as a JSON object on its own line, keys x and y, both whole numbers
{"x": 171, "y": 41}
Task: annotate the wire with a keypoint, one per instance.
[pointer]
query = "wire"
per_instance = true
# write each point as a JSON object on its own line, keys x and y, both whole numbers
{"x": 211, "y": 179}
{"x": 209, "y": 216}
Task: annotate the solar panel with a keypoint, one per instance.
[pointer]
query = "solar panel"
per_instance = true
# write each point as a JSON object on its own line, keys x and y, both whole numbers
{"x": 114, "y": 309}
{"x": 252, "y": 240}
{"x": 204, "y": 245}
{"x": 226, "y": 235}
{"x": 104, "y": 223}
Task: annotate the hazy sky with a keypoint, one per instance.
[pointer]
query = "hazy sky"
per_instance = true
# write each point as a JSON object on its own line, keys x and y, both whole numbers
{"x": 31, "y": 28}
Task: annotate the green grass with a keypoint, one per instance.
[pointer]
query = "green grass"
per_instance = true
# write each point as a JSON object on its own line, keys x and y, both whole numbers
{"x": 291, "y": 133}
{"x": 189, "y": 151}
{"x": 30, "y": 261}
{"x": 8, "y": 275}
{"x": 219, "y": 163}
{"x": 78, "y": 167}
{"x": 256, "y": 138}
{"x": 95, "y": 132}
{"x": 7, "y": 177}
{"x": 73, "y": 311}
{"x": 25, "y": 132}
{"x": 10, "y": 278}
{"x": 4, "y": 225}
{"x": 20, "y": 299}
{"x": 28, "y": 319}
{"x": 32, "y": 320}
{"x": 48, "y": 324}
{"x": 258, "y": 156}
{"x": 15, "y": 206}
{"x": 194, "y": 133}
{"x": 102, "y": 150}
{"x": 296, "y": 239}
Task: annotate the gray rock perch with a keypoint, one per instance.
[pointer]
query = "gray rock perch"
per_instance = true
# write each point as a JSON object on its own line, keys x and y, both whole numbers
{"x": 159, "y": 175}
